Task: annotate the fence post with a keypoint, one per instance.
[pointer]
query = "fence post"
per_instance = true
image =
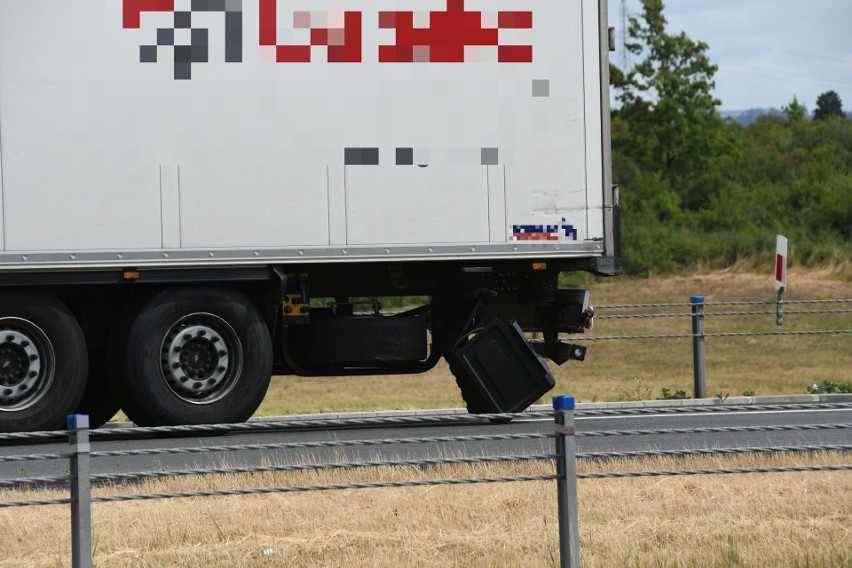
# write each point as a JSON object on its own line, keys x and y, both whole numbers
{"x": 81, "y": 492}
{"x": 566, "y": 484}
{"x": 699, "y": 365}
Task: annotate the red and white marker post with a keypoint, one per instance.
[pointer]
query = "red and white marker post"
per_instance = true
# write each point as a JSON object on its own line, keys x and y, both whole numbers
{"x": 780, "y": 276}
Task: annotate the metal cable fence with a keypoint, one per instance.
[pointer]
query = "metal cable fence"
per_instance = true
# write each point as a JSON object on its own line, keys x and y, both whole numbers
{"x": 565, "y": 455}
{"x": 710, "y": 409}
{"x": 700, "y": 311}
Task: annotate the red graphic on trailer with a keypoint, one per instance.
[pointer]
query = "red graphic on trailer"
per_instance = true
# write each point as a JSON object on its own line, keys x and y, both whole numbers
{"x": 133, "y": 10}
{"x": 454, "y": 35}
{"x": 340, "y": 31}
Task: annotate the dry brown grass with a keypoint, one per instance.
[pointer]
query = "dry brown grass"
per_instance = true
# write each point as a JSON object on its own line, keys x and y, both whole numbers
{"x": 779, "y": 519}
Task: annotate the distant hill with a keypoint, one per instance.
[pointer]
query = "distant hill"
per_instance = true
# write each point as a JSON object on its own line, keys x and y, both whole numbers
{"x": 746, "y": 117}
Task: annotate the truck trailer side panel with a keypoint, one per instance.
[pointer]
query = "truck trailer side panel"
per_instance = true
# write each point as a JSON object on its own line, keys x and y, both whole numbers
{"x": 111, "y": 144}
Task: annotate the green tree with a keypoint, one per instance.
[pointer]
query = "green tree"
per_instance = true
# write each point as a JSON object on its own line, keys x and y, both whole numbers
{"x": 671, "y": 123}
{"x": 828, "y": 104}
{"x": 796, "y": 112}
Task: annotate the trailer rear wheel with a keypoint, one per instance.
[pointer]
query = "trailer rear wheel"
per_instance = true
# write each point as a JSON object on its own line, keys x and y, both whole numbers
{"x": 194, "y": 357}
{"x": 43, "y": 363}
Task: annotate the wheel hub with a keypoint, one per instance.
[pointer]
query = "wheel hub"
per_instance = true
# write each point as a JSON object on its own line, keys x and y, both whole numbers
{"x": 25, "y": 364}
{"x": 201, "y": 358}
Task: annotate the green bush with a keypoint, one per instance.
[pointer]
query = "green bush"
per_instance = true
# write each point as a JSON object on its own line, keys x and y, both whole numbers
{"x": 677, "y": 395}
{"x": 830, "y": 387}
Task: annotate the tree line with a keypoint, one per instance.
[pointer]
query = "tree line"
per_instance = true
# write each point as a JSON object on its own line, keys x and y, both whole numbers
{"x": 696, "y": 188}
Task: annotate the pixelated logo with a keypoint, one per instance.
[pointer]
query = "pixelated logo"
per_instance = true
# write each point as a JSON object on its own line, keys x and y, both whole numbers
{"x": 188, "y": 41}
{"x": 338, "y": 32}
{"x": 453, "y": 35}
{"x": 544, "y": 232}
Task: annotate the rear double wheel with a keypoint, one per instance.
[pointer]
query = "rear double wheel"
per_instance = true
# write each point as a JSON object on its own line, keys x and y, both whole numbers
{"x": 98, "y": 402}
{"x": 193, "y": 357}
{"x": 43, "y": 362}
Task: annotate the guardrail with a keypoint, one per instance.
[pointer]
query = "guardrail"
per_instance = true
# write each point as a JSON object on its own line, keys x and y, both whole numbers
{"x": 698, "y": 314}
{"x": 565, "y": 455}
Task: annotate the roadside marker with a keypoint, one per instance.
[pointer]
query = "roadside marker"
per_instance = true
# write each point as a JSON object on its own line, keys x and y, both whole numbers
{"x": 780, "y": 263}
{"x": 780, "y": 276}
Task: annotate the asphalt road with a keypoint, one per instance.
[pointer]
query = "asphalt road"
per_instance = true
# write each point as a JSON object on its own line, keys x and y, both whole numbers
{"x": 241, "y": 458}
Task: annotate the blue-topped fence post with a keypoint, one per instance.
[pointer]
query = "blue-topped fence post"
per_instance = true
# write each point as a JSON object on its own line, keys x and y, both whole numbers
{"x": 81, "y": 492}
{"x": 699, "y": 364}
{"x": 566, "y": 483}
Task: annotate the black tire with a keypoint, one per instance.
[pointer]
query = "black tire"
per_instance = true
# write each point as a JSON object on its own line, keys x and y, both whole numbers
{"x": 98, "y": 400}
{"x": 193, "y": 357}
{"x": 43, "y": 363}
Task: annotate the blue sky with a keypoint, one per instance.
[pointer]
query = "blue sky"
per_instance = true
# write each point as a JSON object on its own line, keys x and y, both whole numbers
{"x": 767, "y": 50}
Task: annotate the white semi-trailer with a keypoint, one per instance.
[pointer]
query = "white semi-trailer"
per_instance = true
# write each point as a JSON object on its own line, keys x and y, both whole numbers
{"x": 184, "y": 181}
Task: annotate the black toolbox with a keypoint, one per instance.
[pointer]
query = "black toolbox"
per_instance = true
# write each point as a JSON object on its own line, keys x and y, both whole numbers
{"x": 502, "y": 368}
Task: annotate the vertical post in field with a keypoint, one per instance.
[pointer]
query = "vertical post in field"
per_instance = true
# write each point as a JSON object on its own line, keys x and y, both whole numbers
{"x": 566, "y": 484}
{"x": 81, "y": 492}
{"x": 699, "y": 364}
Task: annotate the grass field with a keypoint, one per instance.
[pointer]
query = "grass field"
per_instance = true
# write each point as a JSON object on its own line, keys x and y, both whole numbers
{"x": 742, "y": 520}
{"x": 640, "y": 369}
